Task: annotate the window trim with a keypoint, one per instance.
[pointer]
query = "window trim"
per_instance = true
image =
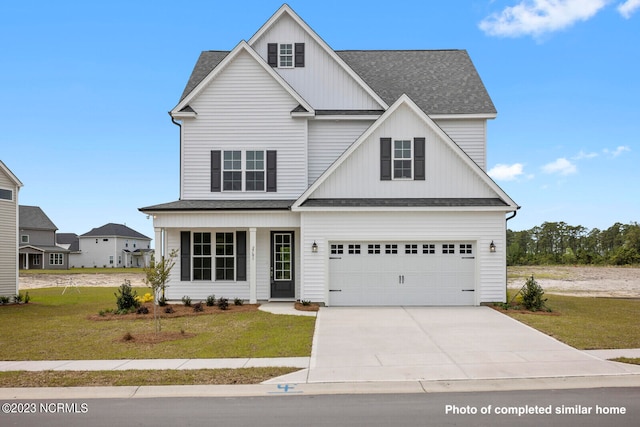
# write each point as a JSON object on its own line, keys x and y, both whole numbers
{"x": 290, "y": 56}
{"x": 410, "y": 159}
{"x": 56, "y": 258}
{"x": 4, "y": 192}
{"x": 243, "y": 170}
{"x": 224, "y": 256}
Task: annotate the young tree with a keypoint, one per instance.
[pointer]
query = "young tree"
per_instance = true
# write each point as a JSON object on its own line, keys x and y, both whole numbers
{"x": 157, "y": 275}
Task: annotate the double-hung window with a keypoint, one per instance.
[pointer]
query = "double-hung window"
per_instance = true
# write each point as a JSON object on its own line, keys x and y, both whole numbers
{"x": 402, "y": 159}
{"x": 232, "y": 171}
{"x": 56, "y": 259}
{"x": 201, "y": 256}
{"x": 285, "y": 55}
{"x": 254, "y": 175}
{"x": 225, "y": 257}
{"x": 249, "y": 165}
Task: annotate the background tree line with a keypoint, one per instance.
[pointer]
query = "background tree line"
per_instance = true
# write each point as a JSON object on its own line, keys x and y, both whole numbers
{"x": 561, "y": 243}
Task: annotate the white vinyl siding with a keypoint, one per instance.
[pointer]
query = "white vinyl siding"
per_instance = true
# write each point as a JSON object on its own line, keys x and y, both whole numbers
{"x": 391, "y": 227}
{"x": 446, "y": 173}
{"x": 243, "y": 108}
{"x": 322, "y": 81}
{"x": 327, "y": 141}
{"x": 470, "y": 135}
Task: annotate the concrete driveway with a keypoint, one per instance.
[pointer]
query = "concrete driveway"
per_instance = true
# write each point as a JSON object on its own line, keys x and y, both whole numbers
{"x": 440, "y": 343}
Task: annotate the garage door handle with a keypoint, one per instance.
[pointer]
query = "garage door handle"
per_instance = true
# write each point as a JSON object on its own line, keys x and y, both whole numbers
{"x": 401, "y": 279}
{"x": 335, "y": 290}
{"x": 468, "y": 257}
{"x": 335, "y": 257}
{"x": 468, "y": 290}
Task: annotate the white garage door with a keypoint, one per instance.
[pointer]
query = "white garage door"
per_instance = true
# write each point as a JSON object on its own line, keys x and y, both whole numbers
{"x": 402, "y": 273}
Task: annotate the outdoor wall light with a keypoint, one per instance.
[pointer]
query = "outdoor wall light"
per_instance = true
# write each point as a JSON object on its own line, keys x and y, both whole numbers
{"x": 314, "y": 247}
{"x": 492, "y": 247}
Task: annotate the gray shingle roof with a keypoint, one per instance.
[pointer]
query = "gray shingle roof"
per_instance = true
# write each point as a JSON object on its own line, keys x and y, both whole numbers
{"x": 405, "y": 203}
{"x": 33, "y": 217}
{"x": 209, "y": 205}
{"x": 70, "y": 239}
{"x": 438, "y": 81}
{"x": 112, "y": 229}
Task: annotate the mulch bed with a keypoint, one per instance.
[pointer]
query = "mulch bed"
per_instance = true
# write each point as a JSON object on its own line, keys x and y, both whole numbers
{"x": 179, "y": 310}
{"x": 153, "y": 337}
{"x": 523, "y": 311}
{"x": 311, "y": 307}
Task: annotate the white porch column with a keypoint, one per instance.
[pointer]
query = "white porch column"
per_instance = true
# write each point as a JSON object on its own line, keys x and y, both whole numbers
{"x": 159, "y": 244}
{"x": 253, "y": 278}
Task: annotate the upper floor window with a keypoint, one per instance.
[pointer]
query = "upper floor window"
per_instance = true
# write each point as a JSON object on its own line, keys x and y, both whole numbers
{"x": 243, "y": 170}
{"x": 24, "y": 238}
{"x": 285, "y": 55}
{"x": 402, "y": 159}
{"x": 6, "y": 194}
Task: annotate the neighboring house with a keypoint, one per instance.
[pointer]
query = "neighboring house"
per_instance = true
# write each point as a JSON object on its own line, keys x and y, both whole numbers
{"x": 112, "y": 245}
{"x": 9, "y": 212}
{"x": 38, "y": 249}
{"x": 341, "y": 177}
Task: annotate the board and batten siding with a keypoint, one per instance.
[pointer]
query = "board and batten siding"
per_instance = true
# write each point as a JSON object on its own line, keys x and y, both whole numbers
{"x": 243, "y": 108}
{"x": 446, "y": 173}
{"x": 8, "y": 239}
{"x": 322, "y": 82}
{"x": 480, "y": 227}
{"x": 327, "y": 141}
{"x": 470, "y": 135}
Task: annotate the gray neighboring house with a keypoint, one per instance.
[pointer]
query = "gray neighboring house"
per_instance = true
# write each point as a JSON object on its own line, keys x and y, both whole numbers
{"x": 112, "y": 245}
{"x": 38, "y": 249}
{"x": 9, "y": 187}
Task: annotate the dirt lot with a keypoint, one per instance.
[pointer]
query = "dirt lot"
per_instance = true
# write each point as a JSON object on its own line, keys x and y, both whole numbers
{"x": 581, "y": 281}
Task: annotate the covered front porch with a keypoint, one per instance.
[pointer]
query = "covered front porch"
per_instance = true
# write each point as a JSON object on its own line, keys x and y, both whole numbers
{"x": 43, "y": 257}
{"x": 252, "y": 254}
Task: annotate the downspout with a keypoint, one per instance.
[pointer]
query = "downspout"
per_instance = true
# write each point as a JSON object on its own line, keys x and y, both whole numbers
{"x": 180, "y": 159}
{"x": 506, "y": 272}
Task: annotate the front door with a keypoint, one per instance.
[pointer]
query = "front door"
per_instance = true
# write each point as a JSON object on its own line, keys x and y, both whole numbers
{"x": 282, "y": 261}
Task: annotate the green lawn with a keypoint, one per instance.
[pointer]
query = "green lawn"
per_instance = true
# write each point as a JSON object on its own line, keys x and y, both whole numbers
{"x": 56, "y": 327}
{"x": 589, "y": 323}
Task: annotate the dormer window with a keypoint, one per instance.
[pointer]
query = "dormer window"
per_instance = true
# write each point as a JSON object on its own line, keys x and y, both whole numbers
{"x": 285, "y": 55}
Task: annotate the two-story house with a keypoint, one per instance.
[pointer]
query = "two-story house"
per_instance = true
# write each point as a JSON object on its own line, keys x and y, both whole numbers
{"x": 340, "y": 177}
{"x": 38, "y": 249}
{"x": 9, "y": 213}
{"x": 111, "y": 245}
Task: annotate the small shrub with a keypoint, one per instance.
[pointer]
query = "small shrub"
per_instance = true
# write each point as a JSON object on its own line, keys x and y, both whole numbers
{"x": 168, "y": 309}
{"x": 211, "y": 301}
{"x": 238, "y": 301}
{"x": 198, "y": 307}
{"x": 532, "y": 294}
{"x": 18, "y": 299}
{"x": 162, "y": 301}
{"x": 5, "y": 300}
{"x": 102, "y": 313}
{"x": 142, "y": 310}
{"x": 126, "y": 297}
{"x": 223, "y": 303}
{"x": 127, "y": 337}
{"x": 27, "y": 298}
{"x": 186, "y": 301}
{"x": 306, "y": 302}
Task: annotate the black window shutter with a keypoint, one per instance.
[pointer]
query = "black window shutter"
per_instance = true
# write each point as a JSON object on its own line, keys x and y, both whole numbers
{"x": 216, "y": 172}
{"x": 419, "y": 159}
{"x": 241, "y": 255}
{"x": 299, "y": 54}
{"x": 385, "y": 159}
{"x": 185, "y": 256}
{"x": 272, "y": 169}
{"x": 272, "y": 54}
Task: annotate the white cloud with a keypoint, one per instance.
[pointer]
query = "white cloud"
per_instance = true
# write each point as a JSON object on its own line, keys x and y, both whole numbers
{"x": 582, "y": 155}
{"x": 619, "y": 150}
{"x": 628, "y": 8}
{"x": 560, "y": 166}
{"x": 502, "y": 172}
{"x": 537, "y": 17}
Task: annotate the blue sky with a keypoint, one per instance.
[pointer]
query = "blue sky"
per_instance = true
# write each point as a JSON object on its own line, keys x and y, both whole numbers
{"x": 86, "y": 87}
